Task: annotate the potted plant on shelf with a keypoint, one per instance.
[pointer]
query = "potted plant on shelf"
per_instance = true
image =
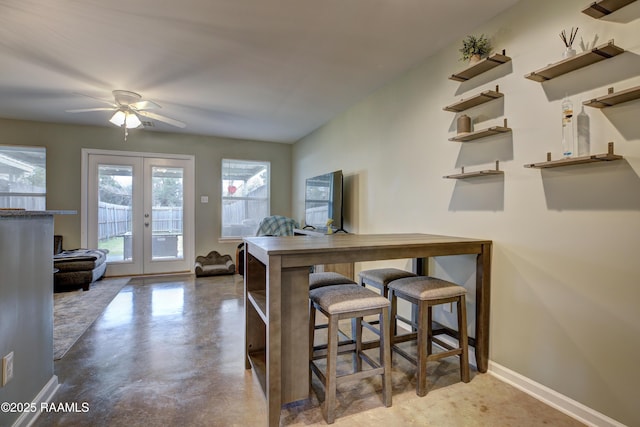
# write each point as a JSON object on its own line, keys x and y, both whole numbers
{"x": 475, "y": 48}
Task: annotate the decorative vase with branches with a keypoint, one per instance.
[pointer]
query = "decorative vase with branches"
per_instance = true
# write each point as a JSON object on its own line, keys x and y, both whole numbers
{"x": 474, "y": 48}
{"x": 568, "y": 42}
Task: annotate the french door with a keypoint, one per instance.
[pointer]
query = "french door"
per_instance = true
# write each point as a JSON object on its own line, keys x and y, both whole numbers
{"x": 140, "y": 208}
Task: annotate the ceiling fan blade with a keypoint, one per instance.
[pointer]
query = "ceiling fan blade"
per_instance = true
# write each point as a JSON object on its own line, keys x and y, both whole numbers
{"x": 104, "y": 101}
{"x": 144, "y": 105}
{"x": 160, "y": 118}
{"x": 84, "y": 110}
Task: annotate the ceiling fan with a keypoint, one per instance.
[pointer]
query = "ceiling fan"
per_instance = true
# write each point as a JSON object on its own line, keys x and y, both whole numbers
{"x": 128, "y": 107}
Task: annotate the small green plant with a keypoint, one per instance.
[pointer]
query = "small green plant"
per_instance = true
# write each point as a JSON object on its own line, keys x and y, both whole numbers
{"x": 472, "y": 45}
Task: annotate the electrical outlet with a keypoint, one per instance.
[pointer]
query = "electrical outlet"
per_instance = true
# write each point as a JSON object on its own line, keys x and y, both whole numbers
{"x": 7, "y": 368}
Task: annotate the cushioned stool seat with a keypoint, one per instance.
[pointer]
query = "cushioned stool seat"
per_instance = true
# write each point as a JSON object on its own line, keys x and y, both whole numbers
{"x": 381, "y": 277}
{"x": 426, "y": 292}
{"x": 349, "y": 302}
{"x": 328, "y": 278}
{"x": 427, "y": 288}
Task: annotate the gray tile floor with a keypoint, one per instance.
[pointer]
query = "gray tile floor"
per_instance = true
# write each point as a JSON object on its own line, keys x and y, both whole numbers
{"x": 169, "y": 352}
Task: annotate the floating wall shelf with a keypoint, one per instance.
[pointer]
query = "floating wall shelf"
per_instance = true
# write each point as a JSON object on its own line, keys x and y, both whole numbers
{"x": 465, "y": 175}
{"x": 607, "y": 157}
{"x": 612, "y": 98}
{"x": 481, "y": 98}
{"x": 483, "y": 133}
{"x": 480, "y": 67}
{"x": 604, "y": 7}
{"x": 597, "y": 54}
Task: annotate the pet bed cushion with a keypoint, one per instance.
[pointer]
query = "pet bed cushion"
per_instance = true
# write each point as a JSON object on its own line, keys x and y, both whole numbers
{"x": 214, "y": 264}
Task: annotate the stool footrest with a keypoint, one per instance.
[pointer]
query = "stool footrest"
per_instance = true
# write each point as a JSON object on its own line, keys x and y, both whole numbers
{"x": 442, "y": 344}
{"x": 318, "y": 372}
{"x": 407, "y": 321}
{"x": 442, "y": 355}
{"x": 359, "y": 375}
{"x": 369, "y": 326}
{"x": 369, "y": 361}
{"x": 439, "y": 329}
{"x": 376, "y": 369}
{"x": 404, "y": 354}
{"x": 320, "y": 351}
{"x": 406, "y": 337}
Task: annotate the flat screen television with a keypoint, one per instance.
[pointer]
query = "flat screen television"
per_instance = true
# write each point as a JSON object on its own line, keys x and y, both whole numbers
{"x": 323, "y": 201}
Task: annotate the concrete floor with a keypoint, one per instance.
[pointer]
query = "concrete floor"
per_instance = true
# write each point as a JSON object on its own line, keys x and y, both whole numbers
{"x": 169, "y": 352}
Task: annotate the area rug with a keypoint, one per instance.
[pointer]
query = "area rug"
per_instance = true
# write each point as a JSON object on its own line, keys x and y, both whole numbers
{"x": 75, "y": 311}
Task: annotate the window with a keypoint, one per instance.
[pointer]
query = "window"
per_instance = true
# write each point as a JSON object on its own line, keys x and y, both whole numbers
{"x": 245, "y": 196}
{"x": 23, "y": 177}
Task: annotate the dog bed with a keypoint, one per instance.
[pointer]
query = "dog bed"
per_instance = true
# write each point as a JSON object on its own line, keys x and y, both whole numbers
{"x": 214, "y": 264}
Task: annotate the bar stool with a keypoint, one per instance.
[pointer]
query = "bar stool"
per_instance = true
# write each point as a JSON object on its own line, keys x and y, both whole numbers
{"x": 339, "y": 302}
{"x": 380, "y": 278}
{"x": 426, "y": 292}
{"x": 329, "y": 278}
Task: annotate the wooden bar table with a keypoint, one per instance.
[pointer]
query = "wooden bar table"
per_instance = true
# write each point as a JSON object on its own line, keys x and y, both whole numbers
{"x": 276, "y": 296}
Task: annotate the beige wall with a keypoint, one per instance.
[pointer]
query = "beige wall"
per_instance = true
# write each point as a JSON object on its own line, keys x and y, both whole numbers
{"x": 65, "y": 142}
{"x": 566, "y": 276}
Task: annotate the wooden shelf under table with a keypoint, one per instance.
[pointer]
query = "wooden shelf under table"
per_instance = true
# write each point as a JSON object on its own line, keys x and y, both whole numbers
{"x": 259, "y": 301}
{"x": 258, "y": 360}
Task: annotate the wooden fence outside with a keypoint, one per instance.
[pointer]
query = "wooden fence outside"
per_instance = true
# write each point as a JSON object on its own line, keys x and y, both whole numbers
{"x": 116, "y": 220}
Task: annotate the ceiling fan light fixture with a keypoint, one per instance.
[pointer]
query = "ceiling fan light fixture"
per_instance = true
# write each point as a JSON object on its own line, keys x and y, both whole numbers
{"x": 130, "y": 120}
{"x": 118, "y": 118}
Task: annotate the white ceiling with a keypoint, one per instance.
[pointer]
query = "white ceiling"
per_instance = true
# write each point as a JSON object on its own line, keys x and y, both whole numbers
{"x": 270, "y": 70}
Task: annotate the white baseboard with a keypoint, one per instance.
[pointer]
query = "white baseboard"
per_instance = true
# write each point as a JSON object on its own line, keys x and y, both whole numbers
{"x": 46, "y": 394}
{"x": 552, "y": 398}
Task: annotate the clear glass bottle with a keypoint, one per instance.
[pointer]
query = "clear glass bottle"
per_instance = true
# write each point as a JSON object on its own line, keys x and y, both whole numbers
{"x": 584, "y": 137}
{"x": 568, "y": 133}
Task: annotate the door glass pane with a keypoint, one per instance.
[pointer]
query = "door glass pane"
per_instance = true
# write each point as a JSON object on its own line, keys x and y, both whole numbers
{"x": 115, "y": 191}
{"x": 167, "y": 212}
